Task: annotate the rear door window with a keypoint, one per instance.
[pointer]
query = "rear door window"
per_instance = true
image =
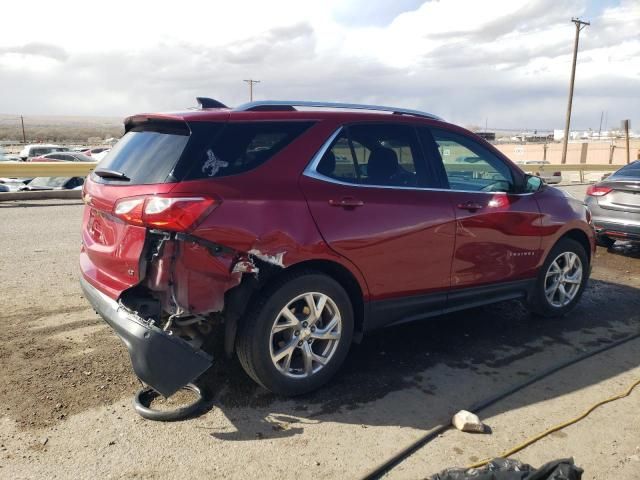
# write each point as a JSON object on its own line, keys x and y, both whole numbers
{"x": 375, "y": 154}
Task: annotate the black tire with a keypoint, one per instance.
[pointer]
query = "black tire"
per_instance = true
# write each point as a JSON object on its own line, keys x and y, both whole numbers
{"x": 604, "y": 241}
{"x": 538, "y": 302}
{"x": 254, "y": 337}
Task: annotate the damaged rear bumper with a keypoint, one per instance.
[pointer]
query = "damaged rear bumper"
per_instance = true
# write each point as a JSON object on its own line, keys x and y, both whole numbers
{"x": 163, "y": 361}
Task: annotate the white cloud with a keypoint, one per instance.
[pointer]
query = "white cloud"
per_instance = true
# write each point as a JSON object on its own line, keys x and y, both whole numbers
{"x": 507, "y": 60}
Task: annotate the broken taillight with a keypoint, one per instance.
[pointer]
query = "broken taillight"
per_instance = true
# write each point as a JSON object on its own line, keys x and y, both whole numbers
{"x": 598, "y": 191}
{"x": 164, "y": 212}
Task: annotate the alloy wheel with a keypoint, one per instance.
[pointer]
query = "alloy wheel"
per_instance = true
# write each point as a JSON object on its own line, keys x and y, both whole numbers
{"x": 563, "y": 279}
{"x": 305, "y": 335}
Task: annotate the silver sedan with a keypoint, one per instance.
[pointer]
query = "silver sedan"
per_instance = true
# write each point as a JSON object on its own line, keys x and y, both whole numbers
{"x": 615, "y": 205}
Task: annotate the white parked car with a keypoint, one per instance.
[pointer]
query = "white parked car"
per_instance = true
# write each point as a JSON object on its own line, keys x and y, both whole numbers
{"x": 100, "y": 155}
{"x": 8, "y": 157}
{"x": 549, "y": 177}
{"x": 36, "y": 150}
{"x": 13, "y": 184}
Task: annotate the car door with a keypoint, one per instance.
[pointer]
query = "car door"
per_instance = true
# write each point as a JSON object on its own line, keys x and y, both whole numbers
{"x": 370, "y": 193}
{"x": 498, "y": 229}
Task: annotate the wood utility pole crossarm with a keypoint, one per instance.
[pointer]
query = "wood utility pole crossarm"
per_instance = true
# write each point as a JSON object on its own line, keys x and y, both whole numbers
{"x": 251, "y": 83}
{"x": 579, "y": 26}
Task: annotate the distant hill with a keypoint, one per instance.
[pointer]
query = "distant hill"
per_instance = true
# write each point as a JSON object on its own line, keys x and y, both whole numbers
{"x": 60, "y": 129}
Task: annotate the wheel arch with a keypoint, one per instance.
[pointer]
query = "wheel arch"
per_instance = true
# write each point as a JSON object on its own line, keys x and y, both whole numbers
{"x": 238, "y": 299}
{"x": 348, "y": 281}
{"x": 535, "y": 298}
{"x": 579, "y": 236}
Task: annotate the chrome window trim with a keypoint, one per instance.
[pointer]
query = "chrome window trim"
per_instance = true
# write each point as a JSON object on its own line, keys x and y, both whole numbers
{"x": 311, "y": 172}
{"x": 313, "y": 164}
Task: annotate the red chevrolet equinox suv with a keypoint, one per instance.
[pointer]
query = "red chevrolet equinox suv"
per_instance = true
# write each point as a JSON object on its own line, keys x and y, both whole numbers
{"x": 293, "y": 228}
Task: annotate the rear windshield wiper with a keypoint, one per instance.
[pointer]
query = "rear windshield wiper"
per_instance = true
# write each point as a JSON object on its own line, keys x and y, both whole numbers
{"x": 106, "y": 173}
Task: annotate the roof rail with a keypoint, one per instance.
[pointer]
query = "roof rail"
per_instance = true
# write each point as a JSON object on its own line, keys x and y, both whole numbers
{"x": 288, "y": 105}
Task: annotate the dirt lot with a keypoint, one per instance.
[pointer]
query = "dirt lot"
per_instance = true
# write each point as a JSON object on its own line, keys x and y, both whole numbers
{"x": 66, "y": 384}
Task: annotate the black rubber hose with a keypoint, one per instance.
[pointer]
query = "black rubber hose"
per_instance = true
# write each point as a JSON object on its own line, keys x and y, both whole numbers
{"x": 144, "y": 397}
{"x": 399, "y": 457}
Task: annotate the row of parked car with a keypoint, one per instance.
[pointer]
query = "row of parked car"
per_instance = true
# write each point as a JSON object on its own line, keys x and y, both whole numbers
{"x": 50, "y": 153}
{"x": 534, "y": 167}
{"x": 58, "y": 153}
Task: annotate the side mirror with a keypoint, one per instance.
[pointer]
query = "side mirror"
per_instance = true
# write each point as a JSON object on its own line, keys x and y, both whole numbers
{"x": 532, "y": 183}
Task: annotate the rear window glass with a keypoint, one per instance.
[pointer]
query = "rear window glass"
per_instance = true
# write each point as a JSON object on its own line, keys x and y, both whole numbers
{"x": 241, "y": 147}
{"x": 146, "y": 154}
{"x": 631, "y": 170}
{"x": 162, "y": 152}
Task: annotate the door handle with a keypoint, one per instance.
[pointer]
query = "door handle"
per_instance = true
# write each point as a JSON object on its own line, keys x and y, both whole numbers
{"x": 346, "y": 202}
{"x": 471, "y": 206}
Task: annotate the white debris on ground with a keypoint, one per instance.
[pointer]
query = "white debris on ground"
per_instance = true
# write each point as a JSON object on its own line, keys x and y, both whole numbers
{"x": 467, "y": 422}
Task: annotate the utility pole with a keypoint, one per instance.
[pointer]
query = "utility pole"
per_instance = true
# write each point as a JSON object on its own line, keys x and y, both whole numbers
{"x": 251, "y": 82}
{"x": 24, "y": 137}
{"x": 600, "y": 129}
{"x": 625, "y": 124}
{"x": 579, "y": 26}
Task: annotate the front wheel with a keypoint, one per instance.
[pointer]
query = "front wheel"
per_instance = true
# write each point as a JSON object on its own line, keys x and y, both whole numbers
{"x": 561, "y": 280}
{"x": 297, "y": 334}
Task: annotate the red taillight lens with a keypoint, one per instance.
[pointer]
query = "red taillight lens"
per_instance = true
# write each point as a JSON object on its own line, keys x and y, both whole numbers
{"x": 598, "y": 191}
{"x": 130, "y": 210}
{"x": 173, "y": 213}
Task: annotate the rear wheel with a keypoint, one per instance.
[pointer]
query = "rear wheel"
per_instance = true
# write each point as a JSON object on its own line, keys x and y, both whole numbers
{"x": 297, "y": 334}
{"x": 561, "y": 279}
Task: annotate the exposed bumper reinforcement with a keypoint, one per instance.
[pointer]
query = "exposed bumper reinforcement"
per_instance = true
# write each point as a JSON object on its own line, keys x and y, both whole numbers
{"x": 162, "y": 361}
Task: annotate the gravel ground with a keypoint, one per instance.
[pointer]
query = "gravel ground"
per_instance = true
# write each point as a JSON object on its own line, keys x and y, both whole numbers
{"x": 66, "y": 384}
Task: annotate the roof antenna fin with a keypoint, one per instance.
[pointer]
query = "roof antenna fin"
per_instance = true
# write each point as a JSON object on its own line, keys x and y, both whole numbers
{"x": 205, "y": 102}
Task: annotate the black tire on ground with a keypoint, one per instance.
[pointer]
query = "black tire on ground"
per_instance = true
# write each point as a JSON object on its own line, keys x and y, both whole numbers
{"x": 254, "y": 335}
{"x": 537, "y": 301}
{"x": 605, "y": 241}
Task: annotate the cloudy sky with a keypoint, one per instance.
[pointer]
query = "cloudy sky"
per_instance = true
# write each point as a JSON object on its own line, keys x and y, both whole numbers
{"x": 505, "y": 61}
